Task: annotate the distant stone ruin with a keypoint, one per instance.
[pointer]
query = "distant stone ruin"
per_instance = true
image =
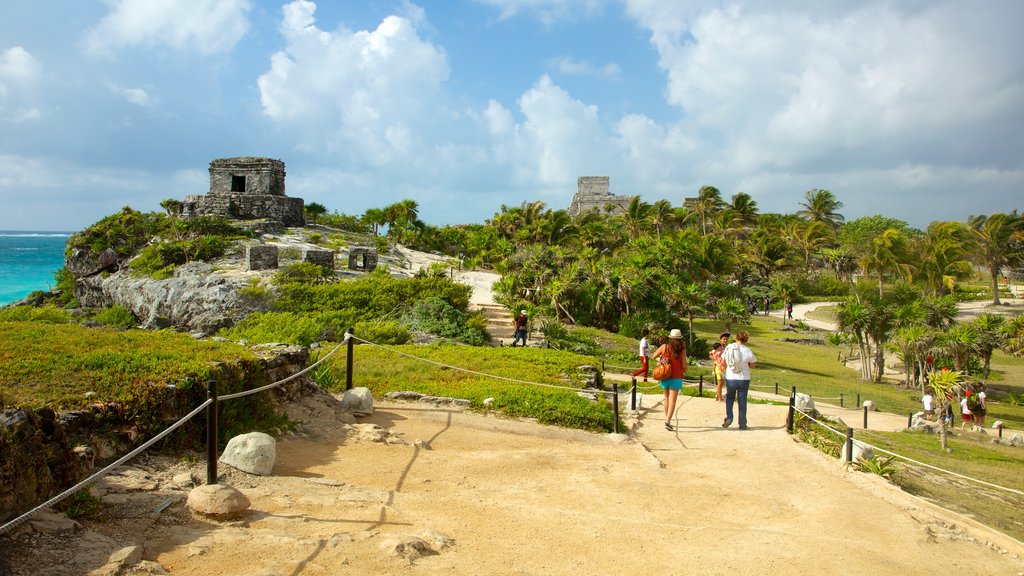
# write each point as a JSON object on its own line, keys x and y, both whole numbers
{"x": 592, "y": 194}
{"x": 247, "y": 188}
{"x": 362, "y": 259}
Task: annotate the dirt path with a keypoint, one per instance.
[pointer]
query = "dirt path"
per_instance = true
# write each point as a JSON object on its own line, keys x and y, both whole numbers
{"x": 521, "y": 498}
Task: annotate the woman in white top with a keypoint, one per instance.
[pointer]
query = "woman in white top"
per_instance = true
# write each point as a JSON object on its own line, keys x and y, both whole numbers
{"x": 738, "y": 361}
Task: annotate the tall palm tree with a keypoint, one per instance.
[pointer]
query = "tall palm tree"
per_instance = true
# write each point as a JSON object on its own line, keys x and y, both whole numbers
{"x": 821, "y": 205}
{"x": 854, "y": 317}
{"x": 635, "y": 216}
{"x": 942, "y": 253}
{"x": 662, "y": 215}
{"x": 991, "y": 337}
{"x": 959, "y": 342}
{"x": 995, "y": 243}
{"x": 888, "y": 252}
{"x": 908, "y": 343}
{"x": 687, "y": 298}
{"x": 709, "y": 200}
{"x": 946, "y": 384}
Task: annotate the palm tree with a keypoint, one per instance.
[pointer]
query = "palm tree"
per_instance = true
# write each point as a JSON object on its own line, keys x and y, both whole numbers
{"x": 315, "y": 210}
{"x": 942, "y": 254}
{"x": 688, "y": 299}
{"x": 375, "y": 218}
{"x": 888, "y": 252}
{"x": 991, "y": 337}
{"x": 1013, "y": 334}
{"x": 786, "y": 292}
{"x": 907, "y": 343}
{"x": 767, "y": 252}
{"x": 709, "y": 200}
{"x": 959, "y": 342}
{"x": 821, "y": 206}
{"x": 662, "y": 214}
{"x": 946, "y": 384}
{"x": 854, "y": 317}
{"x": 729, "y": 311}
{"x": 995, "y": 244}
{"x": 637, "y": 214}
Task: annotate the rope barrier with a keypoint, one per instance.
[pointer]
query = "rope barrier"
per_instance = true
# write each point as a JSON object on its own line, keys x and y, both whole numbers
{"x": 950, "y": 472}
{"x": 296, "y": 375}
{"x": 911, "y": 460}
{"x": 484, "y": 374}
{"x": 105, "y": 470}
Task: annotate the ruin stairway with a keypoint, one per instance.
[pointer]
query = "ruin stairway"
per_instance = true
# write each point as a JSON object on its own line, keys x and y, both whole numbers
{"x": 502, "y": 329}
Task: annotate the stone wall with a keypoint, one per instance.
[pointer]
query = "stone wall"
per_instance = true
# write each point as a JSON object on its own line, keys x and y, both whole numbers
{"x": 362, "y": 258}
{"x": 592, "y": 194}
{"x": 322, "y": 258}
{"x": 44, "y": 452}
{"x": 261, "y": 257}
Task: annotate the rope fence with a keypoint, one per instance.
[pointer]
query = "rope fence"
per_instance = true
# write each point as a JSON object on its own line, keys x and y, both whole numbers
{"x": 210, "y": 404}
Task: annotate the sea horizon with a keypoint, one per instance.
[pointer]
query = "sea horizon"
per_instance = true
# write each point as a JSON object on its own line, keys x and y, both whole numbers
{"x": 28, "y": 261}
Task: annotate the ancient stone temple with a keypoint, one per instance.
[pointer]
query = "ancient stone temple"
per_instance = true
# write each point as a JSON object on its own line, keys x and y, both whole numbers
{"x": 592, "y": 193}
{"x": 247, "y": 188}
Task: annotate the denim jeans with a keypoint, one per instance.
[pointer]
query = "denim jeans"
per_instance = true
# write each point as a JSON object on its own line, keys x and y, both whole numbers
{"x": 737, "y": 389}
{"x": 520, "y": 335}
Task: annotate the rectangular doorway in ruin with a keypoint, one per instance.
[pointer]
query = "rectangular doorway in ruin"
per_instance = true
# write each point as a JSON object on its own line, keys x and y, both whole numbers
{"x": 238, "y": 183}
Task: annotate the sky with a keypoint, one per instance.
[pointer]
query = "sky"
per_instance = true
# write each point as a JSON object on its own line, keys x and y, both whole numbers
{"x": 912, "y": 109}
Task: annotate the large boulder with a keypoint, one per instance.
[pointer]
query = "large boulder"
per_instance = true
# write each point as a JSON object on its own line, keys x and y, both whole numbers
{"x": 254, "y": 453}
{"x": 217, "y": 501}
{"x": 860, "y": 450}
{"x": 358, "y": 401}
{"x": 804, "y": 403}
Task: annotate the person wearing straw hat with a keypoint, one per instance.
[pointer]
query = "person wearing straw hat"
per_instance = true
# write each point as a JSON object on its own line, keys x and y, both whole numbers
{"x": 738, "y": 360}
{"x": 674, "y": 352}
{"x": 520, "y": 324}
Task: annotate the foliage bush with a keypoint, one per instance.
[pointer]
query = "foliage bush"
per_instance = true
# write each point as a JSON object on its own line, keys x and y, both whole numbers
{"x": 303, "y": 273}
{"x": 116, "y": 316}
{"x": 48, "y": 314}
{"x": 284, "y": 327}
{"x": 386, "y": 332}
{"x": 436, "y": 316}
{"x": 559, "y": 337}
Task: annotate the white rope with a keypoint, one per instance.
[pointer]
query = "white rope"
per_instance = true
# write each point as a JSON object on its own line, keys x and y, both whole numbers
{"x": 919, "y": 463}
{"x": 811, "y": 418}
{"x": 283, "y": 380}
{"x": 104, "y": 471}
{"x": 484, "y": 374}
{"x": 911, "y": 460}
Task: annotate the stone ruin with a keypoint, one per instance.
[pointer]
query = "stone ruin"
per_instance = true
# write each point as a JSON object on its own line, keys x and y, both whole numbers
{"x": 592, "y": 194}
{"x": 247, "y": 188}
{"x": 361, "y": 258}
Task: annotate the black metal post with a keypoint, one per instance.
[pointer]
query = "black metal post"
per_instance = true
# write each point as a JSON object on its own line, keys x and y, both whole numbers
{"x": 632, "y": 396}
{"x": 791, "y": 415}
{"x": 849, "y": 445}
{"x": 858, "y": 399}
{"x": 615, "y": 392}
{"x": 910, "y": 419}
{"x": 211, "y": 432}
{"x": 865, "y": 416}
{"x": 841, "y": 400}
{"x": 348, "y": 361}
{"x": 776, "y": 388}
{"x": 1000, "y": 431}
{"x": 700, "y": 386}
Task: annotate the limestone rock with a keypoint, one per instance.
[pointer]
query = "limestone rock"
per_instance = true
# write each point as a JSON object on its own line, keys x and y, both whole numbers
{"x": 870, "y": 405}
{"x": 804, "y": 402}
{"x": 254, "y": 453}
{"x": 413, "y": 546}
{"x": 217, "y": 501}
{"x": 359, "y": 401}
{"x": 860, "y": 450}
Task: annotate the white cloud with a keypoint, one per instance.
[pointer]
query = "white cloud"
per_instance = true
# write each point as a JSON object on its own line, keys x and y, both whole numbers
{"x": 19, "y": 73}
{"x": 137, "y": 96}
{"x": 17, "y": 65}
{"x": 547, "y": 11}
{"x": 573, "y": 67}
{"x": 370, "y": 95}
{"x": 203, "y": 26}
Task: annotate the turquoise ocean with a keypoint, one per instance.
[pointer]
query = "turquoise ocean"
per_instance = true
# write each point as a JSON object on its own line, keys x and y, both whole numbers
{"x": 28, "y": 262}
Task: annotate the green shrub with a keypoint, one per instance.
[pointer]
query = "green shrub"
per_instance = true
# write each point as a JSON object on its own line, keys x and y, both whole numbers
{"x": 48, "y": 314}
{"x": 315, "y": 238}
{"x": 303, "y": 273}
{"x": 290, "y": 253}
{"x": 285, "y": 327}
{"x": 559, "y": 337}
{"x": 436, "y": 316}
{"x": 117, "y": 316}
{"x": 385, "y": 332}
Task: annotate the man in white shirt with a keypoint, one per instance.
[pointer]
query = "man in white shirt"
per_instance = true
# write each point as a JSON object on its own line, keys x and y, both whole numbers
{"x": 738, "y": 361}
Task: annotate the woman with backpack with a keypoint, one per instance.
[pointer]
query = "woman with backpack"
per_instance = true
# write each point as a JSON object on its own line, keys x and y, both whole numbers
{"x": 738, "y": 361}
{"x": 674, "y": 353}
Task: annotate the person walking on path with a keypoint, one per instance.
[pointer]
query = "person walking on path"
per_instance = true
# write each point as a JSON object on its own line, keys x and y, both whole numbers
{"x": 674, "y": 352}
{"x": 980, "y": 406}
{"x": 645, "y": 353}
{"x": 719, "y": 364}
{"x": 965, "y": 410}
{"x": 521, "y": 330}
{"x": 738, "y": 361}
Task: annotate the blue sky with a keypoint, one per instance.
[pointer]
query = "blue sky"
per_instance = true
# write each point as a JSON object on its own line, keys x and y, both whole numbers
{"x": 913, "y": 109}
